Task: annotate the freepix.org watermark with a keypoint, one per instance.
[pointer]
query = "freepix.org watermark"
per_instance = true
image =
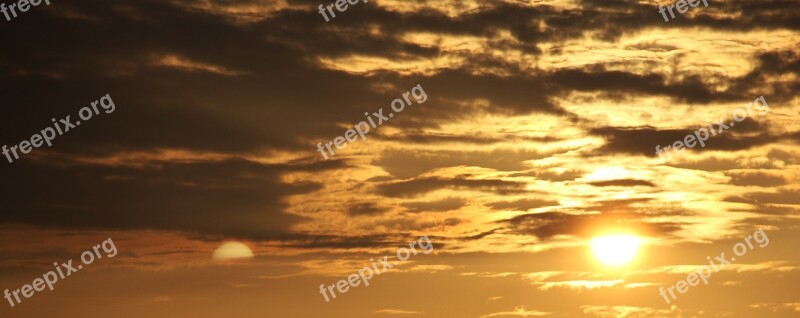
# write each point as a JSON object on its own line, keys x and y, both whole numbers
{"x": 682, "y": 6}
{"x": 740, "y": 249}
{"x": 362, "y": 128}
{"x": 21, "y": 5}
{"x": 366, "y": 273}
{"x": 692, "y": 140}
{"x": 341, "y": 6}
{"x": 48, "y": 134}
{"x": 63, "y": 271}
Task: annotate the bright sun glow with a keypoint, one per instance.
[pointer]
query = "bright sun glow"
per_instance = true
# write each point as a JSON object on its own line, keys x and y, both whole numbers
{"x": 615, "y": 250}
{"x": 232, "y": 250}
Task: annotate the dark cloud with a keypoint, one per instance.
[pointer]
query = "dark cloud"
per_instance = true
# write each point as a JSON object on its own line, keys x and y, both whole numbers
{"x": 643, "y": 140}
{"x": 344, "y": 242}
{"x": 622, "y": 183}
{"x": 755, "y": 179}
{"x": 625, "y": 205}
{"x": 522, "y": 204}
{"x": 549, "y": 224}
{"x": 600, "y": 217}
{"x": 479, "y": 235}
{"x": 416, "y": 187}
{"x": 690, "y": 90}
{"x": 783, "y": 196}
{"x": 710, "y": 164}
{"x": 447, "y": 204}
{"x": 428, "y": 138}
{"x": 234, "y": 198}
{"x": 365, "y": 208}
{"x": 567, "y": 175}
{"x": 406, "y": 164}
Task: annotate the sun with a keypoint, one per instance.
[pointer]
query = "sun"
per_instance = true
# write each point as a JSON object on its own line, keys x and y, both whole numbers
{"x": 232, "y": 251}
{"x": 616, "y": 250}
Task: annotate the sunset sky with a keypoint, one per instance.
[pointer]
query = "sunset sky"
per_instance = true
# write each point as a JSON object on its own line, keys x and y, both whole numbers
{"x": 531, "y": 166}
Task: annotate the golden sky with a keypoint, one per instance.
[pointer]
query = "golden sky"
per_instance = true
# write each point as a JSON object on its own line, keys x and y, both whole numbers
{"x": 530, "y": 165}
